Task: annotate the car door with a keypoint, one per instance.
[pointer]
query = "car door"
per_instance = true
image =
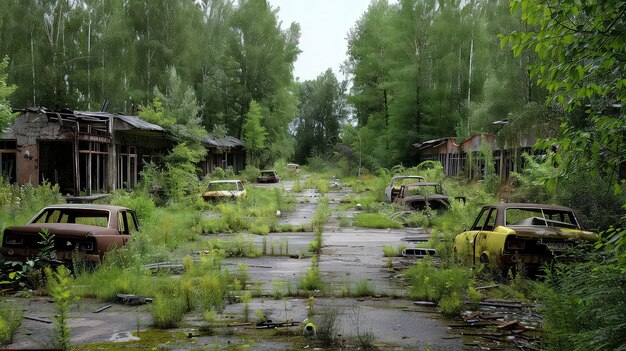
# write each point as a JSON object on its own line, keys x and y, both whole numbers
{"x": 127, "y": 224}
{"x": 481, "y": 241}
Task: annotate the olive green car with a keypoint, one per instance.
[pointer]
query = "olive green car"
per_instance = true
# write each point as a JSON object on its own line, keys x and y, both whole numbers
{"x": 512, "y": 235}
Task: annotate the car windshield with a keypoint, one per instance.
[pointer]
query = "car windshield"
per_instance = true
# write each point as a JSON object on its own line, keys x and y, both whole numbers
{"x": 267, "y": 173}
{"x": 97, "y": 218}
{"x": 424, "y": 190}
{"x": 540, "y": 217}
{"x": 404, "y": 181}
{"x": 230, "y": 186}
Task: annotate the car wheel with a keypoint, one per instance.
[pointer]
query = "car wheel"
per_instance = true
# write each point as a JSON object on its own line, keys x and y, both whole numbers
{"x": 484, "y": 259}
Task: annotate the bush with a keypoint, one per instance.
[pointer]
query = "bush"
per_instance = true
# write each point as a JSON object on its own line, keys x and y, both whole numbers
{"x": 249, "y": 174}
{"x": 138, "y": 201}
{"x": 374, "y": 220}
{"x": 312, "y": 280}
{"x": 436, "y": 284}
{"x": 584, "y": 307}
{"x": 10, "y": 320}
{"x": 168, "y": 310}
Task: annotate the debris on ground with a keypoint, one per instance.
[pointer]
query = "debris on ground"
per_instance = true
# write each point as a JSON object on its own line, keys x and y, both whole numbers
{"x": 133, "y": 300}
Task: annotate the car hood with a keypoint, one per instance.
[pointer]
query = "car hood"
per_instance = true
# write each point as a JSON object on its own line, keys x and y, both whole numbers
{"x": 220, "y": 193}
{"x": 58, "y": 229}
{"x": 550, "y": 232}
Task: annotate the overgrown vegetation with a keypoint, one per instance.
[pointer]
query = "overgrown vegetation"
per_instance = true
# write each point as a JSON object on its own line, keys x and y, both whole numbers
{"x": 10, "y": 320}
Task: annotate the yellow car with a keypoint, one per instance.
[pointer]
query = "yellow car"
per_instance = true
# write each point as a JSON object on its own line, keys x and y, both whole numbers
{"x": 508, "y": 235}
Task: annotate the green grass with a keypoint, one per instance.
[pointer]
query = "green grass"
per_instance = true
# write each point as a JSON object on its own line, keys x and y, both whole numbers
{"x": 374, "y": 220}
{"x": 448, "y": 286}
{"x": 10, "y": 320}
{"x": 391, "y": 251}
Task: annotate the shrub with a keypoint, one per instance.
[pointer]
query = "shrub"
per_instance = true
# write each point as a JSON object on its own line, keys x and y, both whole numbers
{"x": 328, "y": 325}
{"x": 390, "y": 251}
{"x": 249, "y": 174}
{"x": 576, "y": 313}
{"x": 139, "y": 201}
{"x": 168, "y": 310}
{"x": 10, "y": 320}
{"x": 60, "y": 284}
{"x": 375, "y": 220}
{"x": 363, "y": 288}
{"x": 312, "y": 280}
{"x": 434, "y": 284}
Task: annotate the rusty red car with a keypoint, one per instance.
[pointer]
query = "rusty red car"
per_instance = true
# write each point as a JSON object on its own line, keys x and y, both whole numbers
{"x": 90, "y": 230}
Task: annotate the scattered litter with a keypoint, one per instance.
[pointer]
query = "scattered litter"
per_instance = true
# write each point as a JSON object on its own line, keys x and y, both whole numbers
{"x": 177, "y": 267}
{"x": 38, "y": 319}
{"x": 102, "y": 308}
{"x": 487, "y": 287}
{"x": 130, "y": 299}
{"x": 269, "y": 324}
{"x": 418, "y": 252}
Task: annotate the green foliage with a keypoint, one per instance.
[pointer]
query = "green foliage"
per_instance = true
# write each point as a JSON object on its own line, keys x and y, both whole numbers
{"x": 19, "y": 204}
{"x": 363, "y": 288}
{"x": 240, "y": 245}
{"x": 254, "y": 133}
{"x": 10, "y": 320}
{"x": 390, "y": 251}
{"x": 374, "y": 220}
{"x": 320, "y": 112}
{"x": 60, "y": 284}
{"x": 580, "y": 64}
{"x": 445, "y": 286}
{"x": 6, "y": 90}
{"x": 138, "y": 201}
{"x": 168, "y": 310}
{"x": 577, "y": 315}
{"x": 312, "y": 280}
{"x": 249, "y": 174}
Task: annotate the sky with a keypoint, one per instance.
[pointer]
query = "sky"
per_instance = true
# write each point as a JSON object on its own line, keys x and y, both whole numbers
{"x": 324, "y": 27}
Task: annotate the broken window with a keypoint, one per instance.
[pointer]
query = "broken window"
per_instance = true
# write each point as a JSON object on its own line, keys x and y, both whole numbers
{"x": 126, "y": 167}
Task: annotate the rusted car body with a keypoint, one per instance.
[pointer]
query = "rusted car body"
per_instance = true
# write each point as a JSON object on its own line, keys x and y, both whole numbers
{"x": 293, "y": 167}
{"x": 393, "y": 189}
{"x": 268, "y": 176}
{"x": 419, "y": 195}
{"x": 224, "y": 189}
{"x": 510, "y": 235}
{"x": 90, "y": 230}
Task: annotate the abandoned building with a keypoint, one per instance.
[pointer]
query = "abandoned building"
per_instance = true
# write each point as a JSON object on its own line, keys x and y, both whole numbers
{"x": 89, "y": 153}
{"x": 455, "y": 158}
{"x": 224, "y": 152}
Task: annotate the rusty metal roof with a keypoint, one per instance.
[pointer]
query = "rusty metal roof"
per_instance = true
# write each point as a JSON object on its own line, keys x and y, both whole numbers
{"x": 139, "y": 123}
{"x": 93, "y": 116}
{"x": 225, "y": 142}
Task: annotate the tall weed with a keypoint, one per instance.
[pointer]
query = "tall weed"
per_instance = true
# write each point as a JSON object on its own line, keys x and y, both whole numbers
{"x": 10, "y": 320}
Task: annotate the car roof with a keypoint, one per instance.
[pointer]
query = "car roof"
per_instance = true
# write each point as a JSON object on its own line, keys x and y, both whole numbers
{"x": 421, "y": 184}
{"x": 505, "y": 205}
{"x": 88, "y": 207}
{"x": 407, "y": 177}
{"x": 225, "y": 181}
{"x": 268, "y": 170}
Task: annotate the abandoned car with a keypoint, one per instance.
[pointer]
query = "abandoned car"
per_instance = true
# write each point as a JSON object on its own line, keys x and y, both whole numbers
{"x": 393, "y": 189}
{"x": 293, "y": 167}
{"x": 224, "y": 189}
{"x": 89, "y": 230}
{"x": 268, "y": 176}
{"x": 513, "y": 235}
{"x": 420, "y": 195}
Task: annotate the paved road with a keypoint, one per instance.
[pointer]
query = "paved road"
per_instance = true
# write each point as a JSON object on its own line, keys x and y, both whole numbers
{"x": 349, "y": 256}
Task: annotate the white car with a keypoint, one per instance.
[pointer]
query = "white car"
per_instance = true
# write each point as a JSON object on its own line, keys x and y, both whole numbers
{"x": 224, "y": 189}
